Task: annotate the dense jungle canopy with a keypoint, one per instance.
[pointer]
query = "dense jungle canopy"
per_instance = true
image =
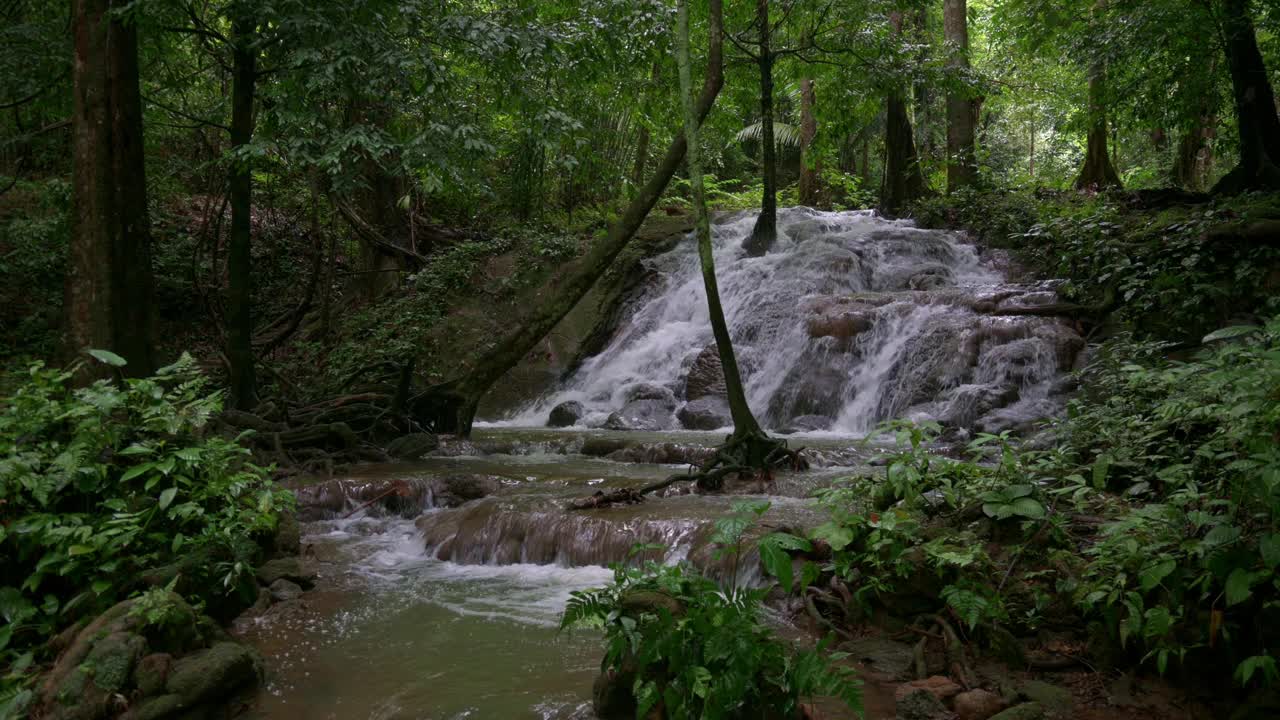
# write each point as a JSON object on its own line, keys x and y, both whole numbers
{"x": 1009, "y": 268}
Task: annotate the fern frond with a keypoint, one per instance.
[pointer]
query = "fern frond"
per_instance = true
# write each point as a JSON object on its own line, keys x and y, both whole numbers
{"x": 784, "y": 134}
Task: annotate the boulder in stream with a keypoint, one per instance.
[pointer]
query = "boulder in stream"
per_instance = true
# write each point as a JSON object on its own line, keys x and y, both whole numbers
{"x": 183, "y": 667}
{"x": 566, "y": 414}
{"x": 705, "y": 377}
{"x": 706, "y": 413}
{"x": 412, "y": 446}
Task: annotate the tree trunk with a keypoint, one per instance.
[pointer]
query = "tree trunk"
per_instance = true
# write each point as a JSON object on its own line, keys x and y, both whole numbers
{"x": 923, "y": 94}
{"x": 1098, "y": 172}
{"x": 450, "y": 407}
{"x": 766, "y": 227}
{"x": 903, "y": 180}
{"x": 744, "y": 422}
{"x": 243, "y": 390}
{"x": 962, "y": 170}
{"x": 809, "y": 168}
{"x": 109, "y": 285}
{"x": 1255, "y": 105}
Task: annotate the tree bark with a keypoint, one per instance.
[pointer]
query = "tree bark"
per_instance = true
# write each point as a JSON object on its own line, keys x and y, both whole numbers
{"x": 809, "y": 169}
{"x": 903, "y": 179}
{"x": 962, "y": 170}
{"x": 1255, "y": 104}
{"x": 1098, "y": 172}
{"x": 109, "y": 284}
{"x": 765, "y": 230}
{"x": 921, "y": 90}
{"x": 744, "y": 422}
{"x": 243, "y": 390}
{"x": 451, "y": 406}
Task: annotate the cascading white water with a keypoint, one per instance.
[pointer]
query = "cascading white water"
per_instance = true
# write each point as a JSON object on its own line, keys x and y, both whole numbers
{"x": 849, "y": 320}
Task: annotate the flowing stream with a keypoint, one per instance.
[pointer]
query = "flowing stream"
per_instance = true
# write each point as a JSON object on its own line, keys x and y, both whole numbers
{"x": 442, "y": 601}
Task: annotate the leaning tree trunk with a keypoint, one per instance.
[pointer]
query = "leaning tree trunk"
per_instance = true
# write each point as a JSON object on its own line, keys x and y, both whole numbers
{"x": 1255, "y": 105}
{"x": 962, "y": 170}
{"x": 243, "y": 391}
{"x": 744, "y": 422}
{"x": 903, "y": 179}
{"x": 109, "y": 281}
{"x": 766, "y": 227}
{"x": 1098, "y": 172}
{"x": 451, "y": 406}
{"x": 809, "y": 189}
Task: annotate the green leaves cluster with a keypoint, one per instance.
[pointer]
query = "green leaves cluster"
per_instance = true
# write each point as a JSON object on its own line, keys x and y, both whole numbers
{"x": 101, "y": 484}
{"x": 702, "y": 650}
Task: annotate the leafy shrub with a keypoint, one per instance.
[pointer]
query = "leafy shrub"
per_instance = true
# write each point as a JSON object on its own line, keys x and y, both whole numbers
{"x": 701, "y": 650}
{"x": 101, "y": 484}
{"x": 1197, "y": 442}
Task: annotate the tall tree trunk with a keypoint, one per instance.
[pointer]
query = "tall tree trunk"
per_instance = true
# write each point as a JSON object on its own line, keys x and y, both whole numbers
{"x": 109, "y": 283}
{"x": 903, "y": 179}
{"x": 809, "y": 169}
{"x": 244, "y": 390}
{"x": 1255, "y": 104}
{"x": 766, "y": 227}
{"x": 921, "y": 90}
{"x": 744, "y": 422}
{"x": 962, "y": 170}
{"x": 451, "y": 406}
{"x": 1097, "y": 172}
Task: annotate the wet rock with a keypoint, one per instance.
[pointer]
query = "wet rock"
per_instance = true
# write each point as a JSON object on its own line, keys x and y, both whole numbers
{"x": 663, "y": 454}
{"x": 841, "y": 325}
{"x": 1056, "y": 701}
{"x": 454, "y": 490}
{"x": 644, "y": 414}
{"x": 611, "y": 697}
{"x": 705, "y": 376}
{"x": 705, "y": 413}
{"x": 407, "y": 497}
{"x": 214, "y": 673}
{"x": 806, "y": 423}
{"x": 287, "y": 541}
{"x": 119, "y": 655}
{"x": 930, "y": 279}
{"x": 1021, "y": 418}
{"x": 881, "y": 655}
{"x": 649, "y": 391}
{"x": 283, "y": 589}
{"x": 566, "y": 414}
{"x": 599, "y": 447}
{"x": 939, "y": 686}
{"x": 1025, "y": 711}
{"x": 967, "y": 403}
{"x": 412, "y": 446}
{"x": 152, "y": 673}
{"x": 977, "y": 704}
{"x": 287, "y": 569}
{"x": 920, "y": 705}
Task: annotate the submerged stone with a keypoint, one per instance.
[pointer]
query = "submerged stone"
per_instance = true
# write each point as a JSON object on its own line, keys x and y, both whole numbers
{"x": 565, "y": 414}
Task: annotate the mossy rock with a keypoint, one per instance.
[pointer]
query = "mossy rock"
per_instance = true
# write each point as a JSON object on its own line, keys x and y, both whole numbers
{"x": 1025, "y": 711}
{"x": 285, "y": 568}
{"x": 215, "y": 673}
{"x": 1056, "y": 701}
{"x": 112, "y": 660}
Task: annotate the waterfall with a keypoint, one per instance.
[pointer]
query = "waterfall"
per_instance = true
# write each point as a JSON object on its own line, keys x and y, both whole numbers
{"x": 849, "y": 320}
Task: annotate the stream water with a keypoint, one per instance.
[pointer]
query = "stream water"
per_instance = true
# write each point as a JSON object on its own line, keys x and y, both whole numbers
{"x": 443, "y": 609}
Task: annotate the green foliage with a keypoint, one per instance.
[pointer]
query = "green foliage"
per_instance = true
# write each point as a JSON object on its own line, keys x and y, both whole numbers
{"x": 701, "y": 650}
{"x": 100, "y": 484}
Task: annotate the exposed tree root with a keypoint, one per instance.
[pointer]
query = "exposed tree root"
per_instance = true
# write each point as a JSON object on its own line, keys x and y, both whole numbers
{"x": 742, "y": 455}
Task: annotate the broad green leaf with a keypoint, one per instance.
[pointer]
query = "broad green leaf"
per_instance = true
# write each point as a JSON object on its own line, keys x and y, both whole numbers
{"x": 777, "y": 563}
{"x": 1152, "y": 576}
{"x": 167, "y": 496}
{"x": 136, "y": 470}
{"x": 1269, "y": 545}
{"x": 836, "y": 535}
{"x": 1238, "y": 586}
{"x": 108, "y": 357}
{"x": 1227, "y": 333}
{"x": 75, "y": 550}
{"x": 1028, "y": 508}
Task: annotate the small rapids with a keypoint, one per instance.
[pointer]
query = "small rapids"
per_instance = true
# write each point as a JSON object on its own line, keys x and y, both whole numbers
{"x": 849, "y": 320}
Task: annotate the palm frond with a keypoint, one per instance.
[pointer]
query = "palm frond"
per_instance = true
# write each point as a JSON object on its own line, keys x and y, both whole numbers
{"x": 784, "y": 134}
